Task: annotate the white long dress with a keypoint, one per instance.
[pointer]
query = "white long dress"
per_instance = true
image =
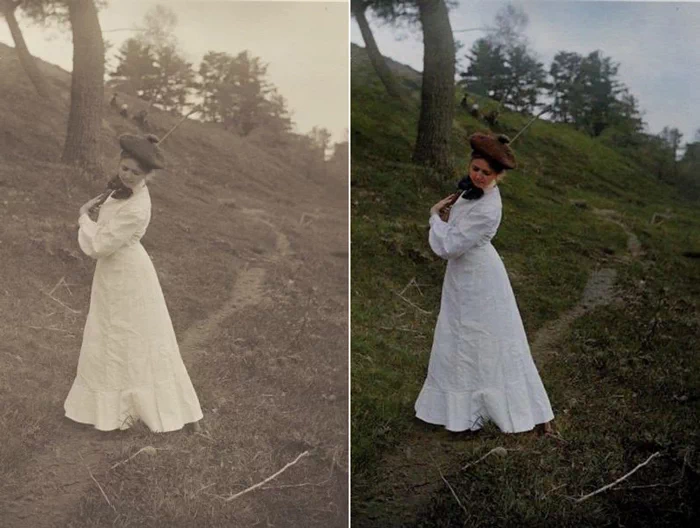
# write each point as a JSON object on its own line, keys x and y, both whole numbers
{"x": 480, "y": 365}
{"x": 130, "y": 366}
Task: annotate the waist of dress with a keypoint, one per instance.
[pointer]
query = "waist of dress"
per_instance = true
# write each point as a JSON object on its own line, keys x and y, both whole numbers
{"x": 126, "y": 251}
{"x": 480, "y": 253}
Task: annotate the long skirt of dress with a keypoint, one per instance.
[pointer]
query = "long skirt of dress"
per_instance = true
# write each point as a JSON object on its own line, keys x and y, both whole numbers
{"x": 480, "y": 365}
{"x": 130, "y": 366}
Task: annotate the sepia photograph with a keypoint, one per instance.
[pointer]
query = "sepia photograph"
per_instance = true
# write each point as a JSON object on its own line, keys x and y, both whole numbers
{"x": 525, "y": 282}
{"x": 174, "y": 262}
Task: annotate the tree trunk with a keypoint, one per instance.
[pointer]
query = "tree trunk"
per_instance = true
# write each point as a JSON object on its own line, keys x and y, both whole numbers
{"x": 25, "y": 58}
{"x": 375, "y": 57}
{"x": 437, "y": 94}
{"x": 82, "y": 146}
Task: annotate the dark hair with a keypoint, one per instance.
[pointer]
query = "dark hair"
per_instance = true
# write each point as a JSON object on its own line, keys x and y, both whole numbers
{"x": 125, "y": 155}
{"x": 495, "y": 166}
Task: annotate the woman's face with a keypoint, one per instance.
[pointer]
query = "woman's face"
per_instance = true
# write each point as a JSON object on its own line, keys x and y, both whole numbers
{"x": 130, "y": 172}
{"x": 481, "y": 173}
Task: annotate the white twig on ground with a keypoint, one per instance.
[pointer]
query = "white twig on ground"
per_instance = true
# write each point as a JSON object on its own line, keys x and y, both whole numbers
{"x": 207, "y": 436}
{"x": 147, "y": 448}
{"x": 451, "y": 489}
{"x": 57, "y": 285}
{"x": 200, "y": 490}
{"x": 608, "y": 486}
{"x": 98, "y": 484}
{"x": 412, "y": 304}
{"x": 401, "y": 329}
{"x": 49, "y": 328}
{"x": 63, "y": 280}
{"x": 61, "y": 303}
{"x": 556, "y": 436}
{"x": 552, "y": 490}
{"x": 407, "y": 286}
{"x": 499, "y": 449}
{"x": 302, "y": 485}
{"x": 268, "y": 479}
{"x": 662, "y": 484}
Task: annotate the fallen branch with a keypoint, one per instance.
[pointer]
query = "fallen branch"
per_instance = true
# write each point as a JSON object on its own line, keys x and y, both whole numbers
{"x": 451, "y": 489}
{"x": 407, "y": 286}
{"x": 57, "y": 285}
{"x": 662, "y": 484}
{"x": 61, "y": 303}
{"x": 552, "y": 490}
{"x": 149, "y": 449}
{"x": 302, "y": 485}
{"x": 412, "y": 304}
{"x": 206, "y": 436}
{"x": 49, "y": 328}
{"x": 98, "y": 484}
{"x": 499, "y": 450}
{"x": 268, "y": 479}
{"x": 203, "y": 488}
{"x": 608, "y": 486}
{"x": 401, "y": 329}
{"x": 556, "y": 436}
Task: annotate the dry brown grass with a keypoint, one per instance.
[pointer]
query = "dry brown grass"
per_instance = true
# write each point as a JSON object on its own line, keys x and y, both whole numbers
{"x": 271, "y": 372}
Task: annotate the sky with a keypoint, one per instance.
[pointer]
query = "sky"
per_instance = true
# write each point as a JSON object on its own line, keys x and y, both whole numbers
{"x": 305, "y": 45}
{"x": 656, "y": 43}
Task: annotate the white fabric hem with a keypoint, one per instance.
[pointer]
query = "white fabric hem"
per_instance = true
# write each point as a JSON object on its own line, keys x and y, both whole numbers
{"x": 466, "y": 411}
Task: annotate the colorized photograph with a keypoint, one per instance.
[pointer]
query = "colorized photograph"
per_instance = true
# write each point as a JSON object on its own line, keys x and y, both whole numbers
{"x": 525, "y": 232}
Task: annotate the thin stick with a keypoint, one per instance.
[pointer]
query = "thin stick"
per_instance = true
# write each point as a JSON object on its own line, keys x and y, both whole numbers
{"x": 268, "y": 479}
{"x": 196, "y": 109}
{"x": 407, "y": 285}
{"x": 586, "y": 497}
{"x": 494, "y": 450}
{"x": 553, "y": 489}
{"x": 132, "y": 456}
{"x": 67, "y": 287}
{"x": 546, "y": 109}
{"x": 203, "y": 488}
{"x": 49, "y": 328}
{"x": 98, "y": 484}
{"x": 57, "y": 285}
{"x": 61, "y": 303}
{"x": 414, "y": 305}
{"x": 401, "y": 329}
{"x": 661, "y": 484}
{"x": 302, "y": 485}
{"x": 451, "y": 489}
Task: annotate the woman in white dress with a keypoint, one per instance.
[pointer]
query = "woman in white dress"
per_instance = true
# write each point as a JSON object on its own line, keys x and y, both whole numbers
{"x": 480, "y": 365}
{"x": 130, "y": 366}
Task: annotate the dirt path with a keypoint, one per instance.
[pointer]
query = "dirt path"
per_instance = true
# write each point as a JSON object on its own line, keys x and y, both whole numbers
{"x": 247, "y": 290}
{"x": 60, "y": 476}
{"x": 409, "y": 473}
{"x": 599, "y": 291}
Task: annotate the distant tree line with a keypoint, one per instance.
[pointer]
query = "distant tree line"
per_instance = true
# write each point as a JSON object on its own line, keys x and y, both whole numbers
{"x": 583, "y": 91}
{"x": 231, "y": 90}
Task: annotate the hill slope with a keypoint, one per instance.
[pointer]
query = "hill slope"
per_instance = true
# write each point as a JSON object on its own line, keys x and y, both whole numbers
{"x": 252, "y": 257}
{"x": 590, "y": 271}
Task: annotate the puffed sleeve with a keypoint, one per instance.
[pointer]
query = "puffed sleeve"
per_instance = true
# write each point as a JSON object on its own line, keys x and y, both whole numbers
{"x": 99, "y": 241}
{"x": 471, "y": 230}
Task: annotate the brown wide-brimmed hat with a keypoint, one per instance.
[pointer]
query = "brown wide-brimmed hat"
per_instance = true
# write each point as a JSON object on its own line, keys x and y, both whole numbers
{"x": 494, "y": 148}
{"x": 143, "y": 149}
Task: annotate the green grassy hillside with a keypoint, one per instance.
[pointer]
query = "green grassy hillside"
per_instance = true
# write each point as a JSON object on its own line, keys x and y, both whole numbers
{"x": 251, "y": 252}
{"x": 624, "y": 379}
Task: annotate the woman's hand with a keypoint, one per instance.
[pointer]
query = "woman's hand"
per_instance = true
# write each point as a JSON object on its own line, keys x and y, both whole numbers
{"x": 85, "y": 208}
{"x": 435, "y": 209}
